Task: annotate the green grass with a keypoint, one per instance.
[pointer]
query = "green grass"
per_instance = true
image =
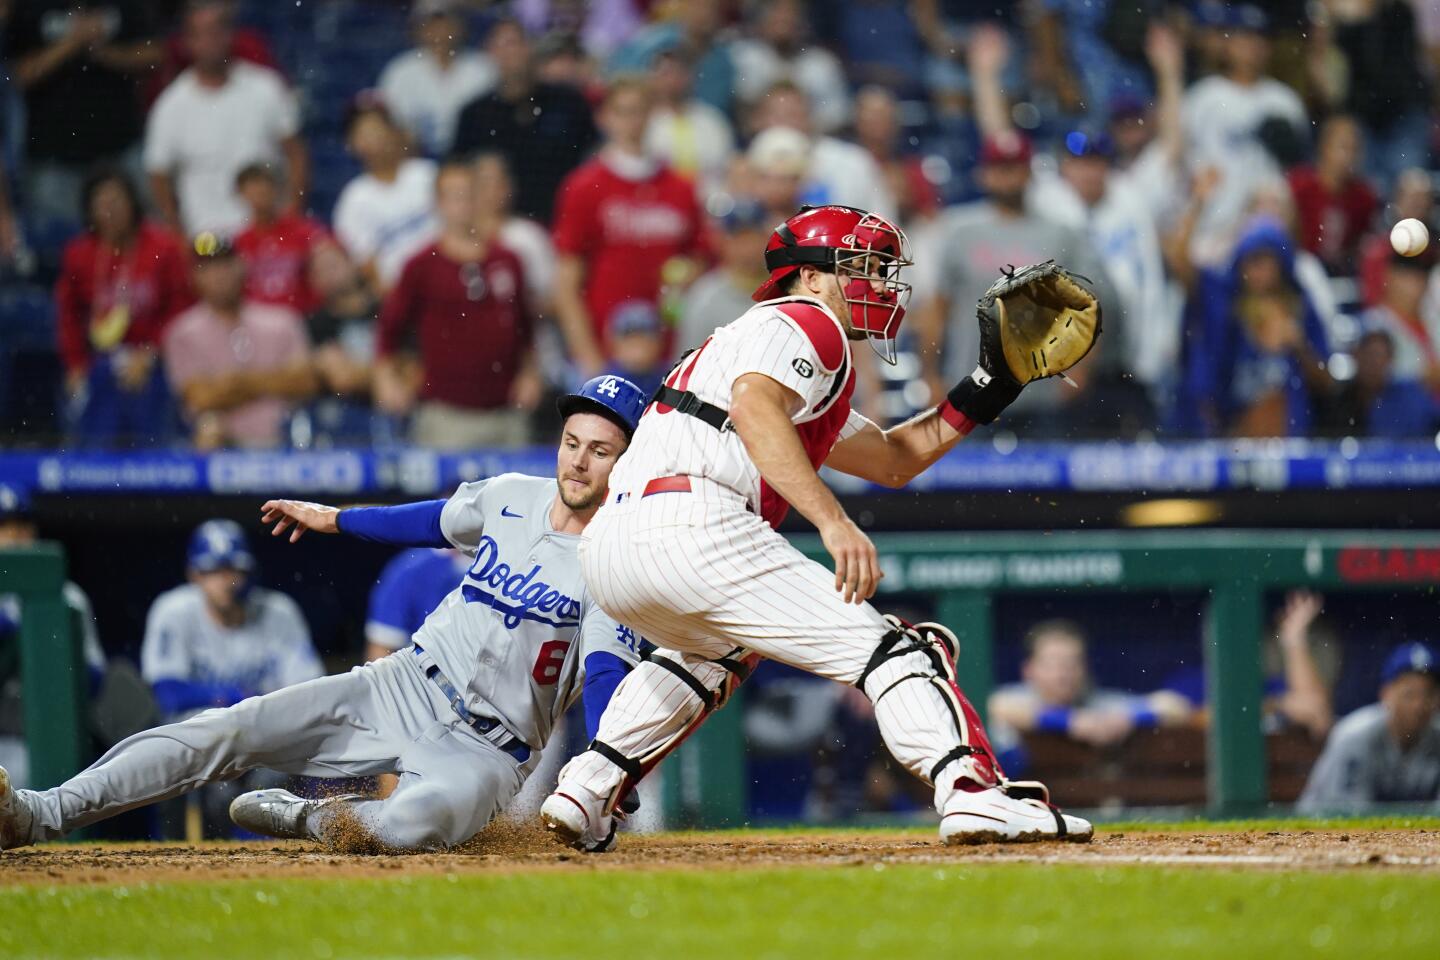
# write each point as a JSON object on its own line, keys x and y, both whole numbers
{"x": 874, "y": 910}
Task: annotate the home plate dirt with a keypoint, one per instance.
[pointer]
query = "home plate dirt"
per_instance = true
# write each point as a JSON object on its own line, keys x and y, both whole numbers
{"x": 511, "y": 847}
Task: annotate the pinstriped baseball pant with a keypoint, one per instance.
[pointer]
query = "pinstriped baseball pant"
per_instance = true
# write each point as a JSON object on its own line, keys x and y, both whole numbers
{"x": 699, "y": 574}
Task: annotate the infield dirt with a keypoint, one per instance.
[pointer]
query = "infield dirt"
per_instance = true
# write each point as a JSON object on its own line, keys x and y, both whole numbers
{"x": 508, "y": 847}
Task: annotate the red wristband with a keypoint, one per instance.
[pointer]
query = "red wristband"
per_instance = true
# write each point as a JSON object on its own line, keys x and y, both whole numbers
{"x": 962, "y": 424}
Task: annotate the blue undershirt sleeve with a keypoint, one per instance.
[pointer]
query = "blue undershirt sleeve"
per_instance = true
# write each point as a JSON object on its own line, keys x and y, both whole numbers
{"x": 603, "y": 673}
{"x": 405, "y": 525}
{"x": 179, "y": 696}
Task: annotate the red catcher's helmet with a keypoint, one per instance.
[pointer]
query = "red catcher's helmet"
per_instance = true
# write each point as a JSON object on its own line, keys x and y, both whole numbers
{"x": 865, "y": 251}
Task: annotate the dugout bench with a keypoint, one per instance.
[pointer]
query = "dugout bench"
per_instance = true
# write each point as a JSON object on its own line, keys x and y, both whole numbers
{"x": 963, "y": 573}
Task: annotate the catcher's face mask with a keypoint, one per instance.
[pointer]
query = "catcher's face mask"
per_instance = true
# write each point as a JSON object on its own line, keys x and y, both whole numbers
{"x": 866, "y": 253}
{"x": 869, "y": 274}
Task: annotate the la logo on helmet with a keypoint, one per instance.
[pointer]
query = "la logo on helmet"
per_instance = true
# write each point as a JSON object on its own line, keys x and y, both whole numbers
{"x": 610, "y": 386}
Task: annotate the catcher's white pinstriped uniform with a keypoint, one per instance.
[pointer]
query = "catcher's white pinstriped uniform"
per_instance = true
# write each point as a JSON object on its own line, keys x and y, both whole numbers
{"x": 704, "y": 575}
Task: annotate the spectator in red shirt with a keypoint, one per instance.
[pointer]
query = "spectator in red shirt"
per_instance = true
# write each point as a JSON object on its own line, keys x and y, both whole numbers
{"x": 620, "y": 220}
{"x": 277, "y": 244}
{"x": 1333, "y": 203}
{"x": 463, "y": 300}
{"x": 121, "y": 283}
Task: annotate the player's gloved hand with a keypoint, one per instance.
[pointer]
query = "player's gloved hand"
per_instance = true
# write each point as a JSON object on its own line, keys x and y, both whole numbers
{"x": 1035, "y": 322}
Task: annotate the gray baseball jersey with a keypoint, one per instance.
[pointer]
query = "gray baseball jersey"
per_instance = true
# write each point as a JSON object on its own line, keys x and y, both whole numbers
{"x": 270, "y": 650}
{"x": 513, "y": 637}
{"x": 1363, "y": 765}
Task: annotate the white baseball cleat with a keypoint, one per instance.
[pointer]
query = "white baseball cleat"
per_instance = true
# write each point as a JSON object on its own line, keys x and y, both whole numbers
{"x": 993, "y": 816}
{"x": 16, "y": 819}
{"x": 278, "y": 813}
{"x": 566, "y": 816}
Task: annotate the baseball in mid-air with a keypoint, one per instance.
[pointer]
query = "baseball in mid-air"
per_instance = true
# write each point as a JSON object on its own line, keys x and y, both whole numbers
{"x": 1409, "y": 237}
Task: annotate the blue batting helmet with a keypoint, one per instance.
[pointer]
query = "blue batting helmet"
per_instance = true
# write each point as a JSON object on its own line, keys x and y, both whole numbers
{"x": 614, "y": 398}
{"x": 1410, "y": 658}
{"x": 219, "y": 545}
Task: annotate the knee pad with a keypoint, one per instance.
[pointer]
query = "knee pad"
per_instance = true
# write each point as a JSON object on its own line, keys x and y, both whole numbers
{"x": 909, "y": 655}
{"x": 709, "y": 685}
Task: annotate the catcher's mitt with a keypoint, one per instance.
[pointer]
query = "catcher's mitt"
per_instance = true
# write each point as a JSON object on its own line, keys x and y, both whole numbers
{"x": 1037, "y": 321}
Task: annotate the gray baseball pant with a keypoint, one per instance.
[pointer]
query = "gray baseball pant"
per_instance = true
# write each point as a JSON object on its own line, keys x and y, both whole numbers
{"x": 384, "y": 717}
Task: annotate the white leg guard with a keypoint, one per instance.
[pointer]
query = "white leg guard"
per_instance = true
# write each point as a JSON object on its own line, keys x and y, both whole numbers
{"x": 926, "y": 722}
{"x": 651, "y": 713}
{"x": 934, "y": 731}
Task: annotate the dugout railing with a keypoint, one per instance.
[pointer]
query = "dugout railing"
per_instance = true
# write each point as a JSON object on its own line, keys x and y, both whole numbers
{"x": 52, "y": 668}
{"x": 963, "y": 573}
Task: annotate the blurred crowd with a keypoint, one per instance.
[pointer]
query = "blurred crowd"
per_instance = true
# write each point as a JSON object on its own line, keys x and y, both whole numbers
{"x": 356, "y": 222}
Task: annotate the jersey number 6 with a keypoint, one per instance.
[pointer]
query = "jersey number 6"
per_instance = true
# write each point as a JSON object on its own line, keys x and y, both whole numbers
{"x": 550, "y": 661}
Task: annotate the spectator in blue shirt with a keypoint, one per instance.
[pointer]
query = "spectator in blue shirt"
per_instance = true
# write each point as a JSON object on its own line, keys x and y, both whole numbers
{"x": 1374, "y": 403}
{"x": 1256, "y": 346}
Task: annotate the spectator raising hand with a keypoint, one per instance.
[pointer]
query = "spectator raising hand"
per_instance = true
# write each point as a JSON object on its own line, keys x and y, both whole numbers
{"x": 78, "y": 67}
{"x": 1305, "y": 700}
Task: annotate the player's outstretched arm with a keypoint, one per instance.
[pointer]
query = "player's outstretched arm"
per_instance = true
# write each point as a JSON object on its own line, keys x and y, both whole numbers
{"x": 896, "y": 456}
{"x": 408, "y": 524}
{"x": 759, "y": 409}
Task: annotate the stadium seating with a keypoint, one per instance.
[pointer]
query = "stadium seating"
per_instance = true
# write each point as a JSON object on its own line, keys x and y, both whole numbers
{"x": 29, "y": 366}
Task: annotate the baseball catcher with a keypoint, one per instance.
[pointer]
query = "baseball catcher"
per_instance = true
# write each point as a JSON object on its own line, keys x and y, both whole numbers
{"x": 685, "y": 550}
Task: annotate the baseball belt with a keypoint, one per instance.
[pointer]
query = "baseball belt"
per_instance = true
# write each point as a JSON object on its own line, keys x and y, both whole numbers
{"x": 488, "y": 727}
